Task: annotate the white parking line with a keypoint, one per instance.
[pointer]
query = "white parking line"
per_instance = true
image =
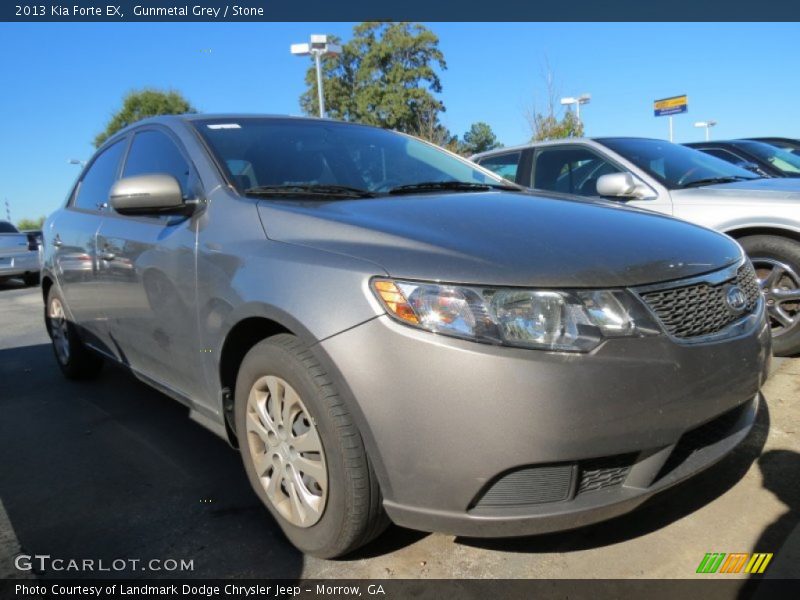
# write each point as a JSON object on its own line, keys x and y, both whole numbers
{"x": 9, "y": 548}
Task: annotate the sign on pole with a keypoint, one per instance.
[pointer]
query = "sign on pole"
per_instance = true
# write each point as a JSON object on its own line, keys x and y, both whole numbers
{"x": 671, "y": 106}
{"x": 674, "y": 105}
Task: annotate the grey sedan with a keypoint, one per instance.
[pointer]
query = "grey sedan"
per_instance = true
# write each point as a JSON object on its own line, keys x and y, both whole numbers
{"x": 388, "y": 332}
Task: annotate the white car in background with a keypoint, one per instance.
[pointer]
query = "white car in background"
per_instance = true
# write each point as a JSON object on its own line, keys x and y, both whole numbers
{"x": 19, "y": 254}
{"x": 763, "y": 215}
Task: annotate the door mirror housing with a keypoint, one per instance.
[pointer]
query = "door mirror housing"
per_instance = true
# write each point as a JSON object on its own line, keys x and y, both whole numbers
{"x": 624, "y": 186}
{"x": 155, "y": 194}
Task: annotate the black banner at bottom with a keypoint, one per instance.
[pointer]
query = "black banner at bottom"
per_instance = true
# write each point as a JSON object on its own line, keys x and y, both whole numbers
{"x": 392, "y": 589}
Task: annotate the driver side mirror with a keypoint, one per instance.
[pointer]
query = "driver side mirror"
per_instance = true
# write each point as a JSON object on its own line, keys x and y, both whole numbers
{"x": 154, "y": 194}
{"x": 622, "y": 185}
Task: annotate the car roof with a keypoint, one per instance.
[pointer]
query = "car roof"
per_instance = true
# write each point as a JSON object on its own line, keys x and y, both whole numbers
{"x": 558, "y": 142}
{"x": 173, "y": 120}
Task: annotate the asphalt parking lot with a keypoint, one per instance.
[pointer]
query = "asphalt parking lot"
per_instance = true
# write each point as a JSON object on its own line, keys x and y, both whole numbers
{"x": 111, "y": 469}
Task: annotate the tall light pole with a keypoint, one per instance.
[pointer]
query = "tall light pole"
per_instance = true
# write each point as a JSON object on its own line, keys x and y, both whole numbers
{"x": 76, "y": 161}
{"x": 708, "y": 125}
{"x": 317, "y": 47}
{"x": 582, "y": 99}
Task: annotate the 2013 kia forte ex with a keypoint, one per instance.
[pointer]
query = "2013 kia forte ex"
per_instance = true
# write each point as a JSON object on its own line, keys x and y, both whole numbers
{"x": 389, "y": 332}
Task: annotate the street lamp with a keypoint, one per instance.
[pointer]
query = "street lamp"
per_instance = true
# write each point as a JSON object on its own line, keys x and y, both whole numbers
{"x": 708, "y": 125}
{"x": 75, "y": 161}
{"x": 317, "y": 47}
{"x": 582, "y": 99}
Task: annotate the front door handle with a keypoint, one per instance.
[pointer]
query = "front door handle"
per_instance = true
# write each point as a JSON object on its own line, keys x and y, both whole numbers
{"x": 105, "y": 255}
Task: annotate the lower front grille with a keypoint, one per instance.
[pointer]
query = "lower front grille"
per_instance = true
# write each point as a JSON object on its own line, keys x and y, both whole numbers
{"x": 533, "y": 485}
{"x": 700, "y": 309}
{"x": 529, "y": 485}
{"x": 603, "y": 473}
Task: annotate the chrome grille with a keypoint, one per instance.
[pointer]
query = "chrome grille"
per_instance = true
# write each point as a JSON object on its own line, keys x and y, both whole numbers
{"x": 701, "y": 308}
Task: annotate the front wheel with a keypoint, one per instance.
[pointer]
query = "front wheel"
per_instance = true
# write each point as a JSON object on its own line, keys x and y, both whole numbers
{"x": 777, "y": 263}
{"x": 302, "y": 452}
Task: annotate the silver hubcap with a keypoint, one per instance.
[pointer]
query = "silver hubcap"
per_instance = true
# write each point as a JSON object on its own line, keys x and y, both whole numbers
{"x": 286, "y": 451}
{"x": 780, "y": 285}
{"x": 58, "y": 329}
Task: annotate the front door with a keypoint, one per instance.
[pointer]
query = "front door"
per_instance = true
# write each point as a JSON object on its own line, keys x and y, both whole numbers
{"x": 147, "y": 271}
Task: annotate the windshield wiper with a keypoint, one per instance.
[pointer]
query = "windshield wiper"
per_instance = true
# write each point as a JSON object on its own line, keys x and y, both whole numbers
{"x": 450, "y": 186}
{"x": 713, "y": 180}
{"x": 309, "y": 190}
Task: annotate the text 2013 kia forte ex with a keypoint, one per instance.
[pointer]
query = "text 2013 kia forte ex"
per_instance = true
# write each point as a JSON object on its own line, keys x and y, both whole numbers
{"x": 388, "y": 332}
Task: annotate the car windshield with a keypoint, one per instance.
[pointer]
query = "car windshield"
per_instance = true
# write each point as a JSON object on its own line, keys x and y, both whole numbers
{"x": 676, "y": 166}
{"x": 783, "y": 160}
{"x": 296, "y": 157}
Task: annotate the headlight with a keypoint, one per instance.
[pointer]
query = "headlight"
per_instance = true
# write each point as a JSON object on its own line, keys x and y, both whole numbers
{"x": 547, "y": 319}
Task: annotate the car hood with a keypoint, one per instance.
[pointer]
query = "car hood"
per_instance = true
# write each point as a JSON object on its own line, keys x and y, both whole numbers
{"x": 779, "y": 188}
{"x": 503, "y": 239}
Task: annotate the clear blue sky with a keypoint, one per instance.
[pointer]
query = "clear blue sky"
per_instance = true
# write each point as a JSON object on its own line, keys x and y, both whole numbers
{"x": 61, "y": 82}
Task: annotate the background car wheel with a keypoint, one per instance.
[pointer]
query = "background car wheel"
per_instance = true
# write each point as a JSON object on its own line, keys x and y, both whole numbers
{"x": 73, "y": 357}
{"x": 31, "y": 279}
{"x": 777, "y": 263}
{"x": 302, "y": 452}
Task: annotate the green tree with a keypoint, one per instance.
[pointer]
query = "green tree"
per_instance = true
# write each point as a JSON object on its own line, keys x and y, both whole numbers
{"x": 387, "y": 76}
{"x": 479, "y": 138}
{"x": 549, "y": 127}
{"x": 140, "y": 104}
{"x": 28, "y": 224}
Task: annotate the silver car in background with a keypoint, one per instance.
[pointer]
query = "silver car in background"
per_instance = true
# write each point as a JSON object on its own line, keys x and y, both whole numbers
{"x": 763, "y": 215}
{"x": 19, "y": 254}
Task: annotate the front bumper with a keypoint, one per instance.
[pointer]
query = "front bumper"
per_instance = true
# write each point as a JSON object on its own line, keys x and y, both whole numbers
{"x": 445, "y": 420}
{"x": 14, "y": 265}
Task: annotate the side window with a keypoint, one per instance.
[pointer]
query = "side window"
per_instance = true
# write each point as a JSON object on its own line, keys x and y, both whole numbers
{"x": 572, "y": 170}
{"x": 504, "y": 165}
{"x": 724, "y": 155}
{"x": 154, "y": 152}
{"x": 97, "y": 181}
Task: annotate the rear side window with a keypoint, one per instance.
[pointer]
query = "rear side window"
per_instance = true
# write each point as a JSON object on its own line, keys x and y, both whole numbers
{"x": 6, "y": 227}
{"x": 505, "y": 165}
{"x": 97, "y": 181}
{"x": 154, "y": 152}
{"x": 569, "y": 170}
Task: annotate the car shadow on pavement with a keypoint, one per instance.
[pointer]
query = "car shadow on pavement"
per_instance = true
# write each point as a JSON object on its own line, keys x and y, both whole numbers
{"x": 112, "y": 469}
{"x": 780, "y": 472}
{"x": 658, "y": 512}
{"x": 12, "y": 284}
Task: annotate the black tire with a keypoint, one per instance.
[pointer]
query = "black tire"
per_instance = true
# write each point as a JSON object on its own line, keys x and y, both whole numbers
{"x": 764, "y": 248}
{"x": 79, "y": 362}
{"x": 31, "y": 279}
{"x": 353, "y": 514}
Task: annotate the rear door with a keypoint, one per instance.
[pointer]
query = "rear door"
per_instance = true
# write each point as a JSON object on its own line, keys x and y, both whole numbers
{"x": 147, "y": 273}
{"x": 73, "y": 237}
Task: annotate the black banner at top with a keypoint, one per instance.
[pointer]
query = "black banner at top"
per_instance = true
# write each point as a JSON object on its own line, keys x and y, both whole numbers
{"x": 397, "y": 10}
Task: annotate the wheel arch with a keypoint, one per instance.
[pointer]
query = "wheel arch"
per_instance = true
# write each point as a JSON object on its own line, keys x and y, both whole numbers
{"x": 738, "y": 233}
{"x": 253, "y": 324}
